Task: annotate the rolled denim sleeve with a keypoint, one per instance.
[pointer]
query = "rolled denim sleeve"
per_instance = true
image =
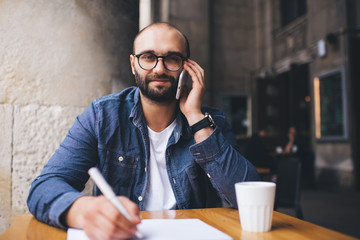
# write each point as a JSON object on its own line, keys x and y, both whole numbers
{"x": 223, "y": 163}
{"x": 64, "y": 176}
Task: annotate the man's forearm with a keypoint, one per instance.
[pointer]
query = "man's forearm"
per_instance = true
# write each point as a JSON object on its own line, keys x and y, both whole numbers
{"x": 223, "y": 164}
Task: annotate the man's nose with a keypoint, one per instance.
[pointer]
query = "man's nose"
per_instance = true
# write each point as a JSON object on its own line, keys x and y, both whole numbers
{"x": 160, "y": 67}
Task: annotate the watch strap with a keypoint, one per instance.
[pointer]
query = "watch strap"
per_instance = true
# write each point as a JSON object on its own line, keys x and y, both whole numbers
{"x": 207, "y": 121}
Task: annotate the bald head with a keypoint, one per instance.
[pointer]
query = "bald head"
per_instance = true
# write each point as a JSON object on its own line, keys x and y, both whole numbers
{"x": 160, "y": 29}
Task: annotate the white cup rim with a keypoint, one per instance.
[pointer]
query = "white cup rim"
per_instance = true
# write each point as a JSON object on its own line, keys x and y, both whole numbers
{"x": 253, "y": 184}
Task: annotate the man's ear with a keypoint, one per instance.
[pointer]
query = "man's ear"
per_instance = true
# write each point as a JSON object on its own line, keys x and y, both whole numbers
{"x": 132, "y": 62}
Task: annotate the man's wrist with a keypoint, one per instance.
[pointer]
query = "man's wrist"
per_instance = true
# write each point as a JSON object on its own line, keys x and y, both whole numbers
{"x": 194, "y": 118}
{"x": 74, "y": 215}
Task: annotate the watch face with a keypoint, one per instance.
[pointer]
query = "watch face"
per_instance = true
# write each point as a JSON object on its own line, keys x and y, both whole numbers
{"x": 211, "y": 120}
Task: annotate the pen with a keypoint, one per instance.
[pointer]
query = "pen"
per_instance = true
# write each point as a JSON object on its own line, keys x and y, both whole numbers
{"x": 109, "y": 193}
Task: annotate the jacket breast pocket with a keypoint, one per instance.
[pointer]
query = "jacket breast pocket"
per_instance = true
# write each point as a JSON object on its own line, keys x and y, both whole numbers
{"x": 120, "y": 170}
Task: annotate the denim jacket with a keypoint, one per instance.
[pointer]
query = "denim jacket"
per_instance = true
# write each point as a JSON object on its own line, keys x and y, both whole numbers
{"x": 112, "y": 135}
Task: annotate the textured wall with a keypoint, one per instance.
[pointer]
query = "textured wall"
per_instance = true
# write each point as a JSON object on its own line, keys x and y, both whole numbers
{"x": 55, "y": 57}
{"x": 6, "y": 121}
{"x": 48, "y": 50}
{"x": 37, "y": 131}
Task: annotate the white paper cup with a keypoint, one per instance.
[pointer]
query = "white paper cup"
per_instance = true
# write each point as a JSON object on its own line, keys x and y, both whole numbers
{"x": 256, "y": 204}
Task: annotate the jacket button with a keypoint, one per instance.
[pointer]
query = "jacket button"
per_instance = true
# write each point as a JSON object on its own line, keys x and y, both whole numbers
{"x": 140, "y": 198}
{"x": 121, "y": 159}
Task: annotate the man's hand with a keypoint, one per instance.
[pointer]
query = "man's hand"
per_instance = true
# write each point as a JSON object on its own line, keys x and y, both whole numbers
{"x": 101, "y": 220}
{"x": 190, "y": 103}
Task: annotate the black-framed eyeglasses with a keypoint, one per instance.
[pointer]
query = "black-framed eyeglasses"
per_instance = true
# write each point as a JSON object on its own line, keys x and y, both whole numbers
{"x": 172, "y": 62}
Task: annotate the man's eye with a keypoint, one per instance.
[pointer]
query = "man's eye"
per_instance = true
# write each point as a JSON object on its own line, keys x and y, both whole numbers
{"x": 148, "y": 57}
{"x": 173, "y": 57}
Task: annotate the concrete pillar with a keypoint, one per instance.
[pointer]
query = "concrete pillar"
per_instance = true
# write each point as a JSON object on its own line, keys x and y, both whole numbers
{"x": 192, "y": 17}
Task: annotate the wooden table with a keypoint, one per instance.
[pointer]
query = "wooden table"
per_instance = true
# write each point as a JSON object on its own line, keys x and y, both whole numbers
{"x": 225, "y": 219}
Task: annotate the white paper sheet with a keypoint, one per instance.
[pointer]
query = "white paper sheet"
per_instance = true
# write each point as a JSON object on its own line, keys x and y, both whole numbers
{"x": 165, "y": 229}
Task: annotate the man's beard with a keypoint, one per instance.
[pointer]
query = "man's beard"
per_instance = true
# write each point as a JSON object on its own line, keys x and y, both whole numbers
{"x": 157, "y": 94}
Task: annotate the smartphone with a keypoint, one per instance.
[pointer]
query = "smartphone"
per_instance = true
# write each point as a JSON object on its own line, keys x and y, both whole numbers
{"x": 181, "y": 83}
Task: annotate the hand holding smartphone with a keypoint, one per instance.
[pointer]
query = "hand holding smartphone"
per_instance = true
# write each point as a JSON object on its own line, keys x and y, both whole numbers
{"x": 181, "y": 83}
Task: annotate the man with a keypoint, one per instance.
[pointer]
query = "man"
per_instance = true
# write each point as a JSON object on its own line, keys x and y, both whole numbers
{"x": 295, "y": 144}
{"x": 291, "y": 146}
{"x": 141, "y": 141}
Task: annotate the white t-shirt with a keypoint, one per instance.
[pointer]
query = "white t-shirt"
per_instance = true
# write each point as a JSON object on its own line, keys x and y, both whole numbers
{"x": 159, "y": 194}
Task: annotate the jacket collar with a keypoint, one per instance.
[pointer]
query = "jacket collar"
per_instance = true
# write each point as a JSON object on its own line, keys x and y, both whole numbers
{"x": 137, "y": 118}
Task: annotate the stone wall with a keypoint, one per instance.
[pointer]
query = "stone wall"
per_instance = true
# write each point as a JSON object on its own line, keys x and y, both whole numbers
{"x": 6, "y": 122}
{"x": 55, "y": 58}
{"x": 333, "y": 159}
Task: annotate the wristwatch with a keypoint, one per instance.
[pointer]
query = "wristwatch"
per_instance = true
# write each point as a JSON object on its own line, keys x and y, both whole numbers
{"x": 207, "y": 121}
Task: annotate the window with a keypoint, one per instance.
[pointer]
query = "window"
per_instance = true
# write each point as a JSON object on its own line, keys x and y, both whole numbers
{"x": 330, "y": 106}
{"x": 238, "y": 112}
{"x": 291, "y": 10}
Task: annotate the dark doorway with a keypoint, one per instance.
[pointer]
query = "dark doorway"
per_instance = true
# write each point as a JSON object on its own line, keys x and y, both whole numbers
{"x": 284, "y": 101}
{"x": 299, "y": 100}
{"x": 271, "y": 109}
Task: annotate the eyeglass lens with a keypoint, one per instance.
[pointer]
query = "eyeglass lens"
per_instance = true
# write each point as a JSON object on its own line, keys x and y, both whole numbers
{"x": 171, "y": 62}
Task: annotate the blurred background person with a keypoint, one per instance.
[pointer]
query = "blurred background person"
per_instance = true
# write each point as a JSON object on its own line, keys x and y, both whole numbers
{"x": 292, "y": 141}
{"x": 297, "y": 146}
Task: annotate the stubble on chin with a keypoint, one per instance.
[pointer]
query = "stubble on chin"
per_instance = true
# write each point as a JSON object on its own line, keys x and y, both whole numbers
{"x": 158, "y": 93}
